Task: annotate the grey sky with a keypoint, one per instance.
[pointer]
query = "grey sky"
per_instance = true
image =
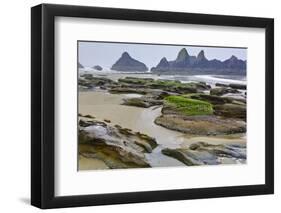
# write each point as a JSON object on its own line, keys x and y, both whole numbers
{"x": 106, "y": 54}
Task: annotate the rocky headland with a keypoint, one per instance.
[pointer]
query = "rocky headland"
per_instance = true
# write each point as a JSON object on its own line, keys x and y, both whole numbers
{"x": 200, "y": 65}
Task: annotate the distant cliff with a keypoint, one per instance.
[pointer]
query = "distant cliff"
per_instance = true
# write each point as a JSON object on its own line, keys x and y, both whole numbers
{"x": 187, "y": 64}
{"x": 127, "y": 63}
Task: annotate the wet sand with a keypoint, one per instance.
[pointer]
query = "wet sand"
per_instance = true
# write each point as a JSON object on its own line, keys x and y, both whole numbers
{"x": 103, "y": 105}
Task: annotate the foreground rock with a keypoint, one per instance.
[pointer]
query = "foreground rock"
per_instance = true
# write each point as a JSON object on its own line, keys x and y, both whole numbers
{"x": 197, "y": 117}
{"x": 117, "y": 147}
{"x": 224, "y": 106}
{"x": 202, "y": 153}
{"x": 201, "y": 124}
{"x": 231, "y": 110}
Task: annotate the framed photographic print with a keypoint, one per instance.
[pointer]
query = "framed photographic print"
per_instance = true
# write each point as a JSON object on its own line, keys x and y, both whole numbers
{"x": 140, "y": 106}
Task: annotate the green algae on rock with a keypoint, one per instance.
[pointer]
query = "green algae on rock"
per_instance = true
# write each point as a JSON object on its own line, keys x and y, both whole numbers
{"x": 187, "y": 106}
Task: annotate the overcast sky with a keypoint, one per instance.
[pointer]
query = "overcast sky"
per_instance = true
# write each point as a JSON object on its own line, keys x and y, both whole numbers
{"x": 106, "y": 54}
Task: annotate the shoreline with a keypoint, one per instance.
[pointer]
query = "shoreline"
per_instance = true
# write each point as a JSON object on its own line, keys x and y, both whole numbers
{"x": 208, "y": 78}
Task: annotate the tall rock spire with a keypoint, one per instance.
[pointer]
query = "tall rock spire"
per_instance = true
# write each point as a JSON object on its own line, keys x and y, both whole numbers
{"x": 182, "y": 55}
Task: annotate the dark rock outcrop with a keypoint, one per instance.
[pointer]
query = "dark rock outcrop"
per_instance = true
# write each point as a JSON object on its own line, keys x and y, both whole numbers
{"x": 162, "y": 66}
{"x": 201, "y": 114}
{"x": 222, "y": 91}
{"x": 221, "y": 85}
{"x": 127, "y": 63}
{"x": 201, "y": 124}
{"x": 213, "y": 99}
{"x": 202, "y": 153}
{"x": 187, "y": 64}
{"x": 97, "y": 67}
{"x": 117, "y": 147}
{"x": 234, "y": 63}
{"x": 231, "y": 110}
{"x": 143, "y": 102}
{"x": 127, "y": 90}
{"x": 238, "y": 86}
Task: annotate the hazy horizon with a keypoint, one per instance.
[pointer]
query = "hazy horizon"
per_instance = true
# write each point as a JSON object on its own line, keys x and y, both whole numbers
{"x": 106, "y": 54}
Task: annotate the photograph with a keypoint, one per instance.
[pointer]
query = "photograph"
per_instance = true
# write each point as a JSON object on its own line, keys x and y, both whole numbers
{"x": 140, "y": 105}
{"x": 160, "y": 105}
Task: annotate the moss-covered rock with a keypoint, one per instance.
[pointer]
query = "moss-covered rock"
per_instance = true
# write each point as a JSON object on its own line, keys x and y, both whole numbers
{"x": 186, "y": 106}
{"x": 177, "y": 86}
{"x": 134, "y": 80}
{"x": 213, "y": 99}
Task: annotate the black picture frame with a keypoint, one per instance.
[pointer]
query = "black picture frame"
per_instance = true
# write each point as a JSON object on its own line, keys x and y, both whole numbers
{"x": 43, "y": 102}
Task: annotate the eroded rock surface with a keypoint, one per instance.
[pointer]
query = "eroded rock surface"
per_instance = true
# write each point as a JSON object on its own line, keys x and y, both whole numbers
{"x": 118, "y": 147}
{"x": 222, "y": 91}
{"x": 202, "y": 153}
{"x": 231, "y": 110}
{"x": 201, "y": 124}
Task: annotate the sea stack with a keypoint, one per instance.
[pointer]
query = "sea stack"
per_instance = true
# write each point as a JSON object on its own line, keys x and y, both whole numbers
{"x": 127, "y": 63}
{"x": 189, "y": 64}
{"x": 97, "y": 67}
